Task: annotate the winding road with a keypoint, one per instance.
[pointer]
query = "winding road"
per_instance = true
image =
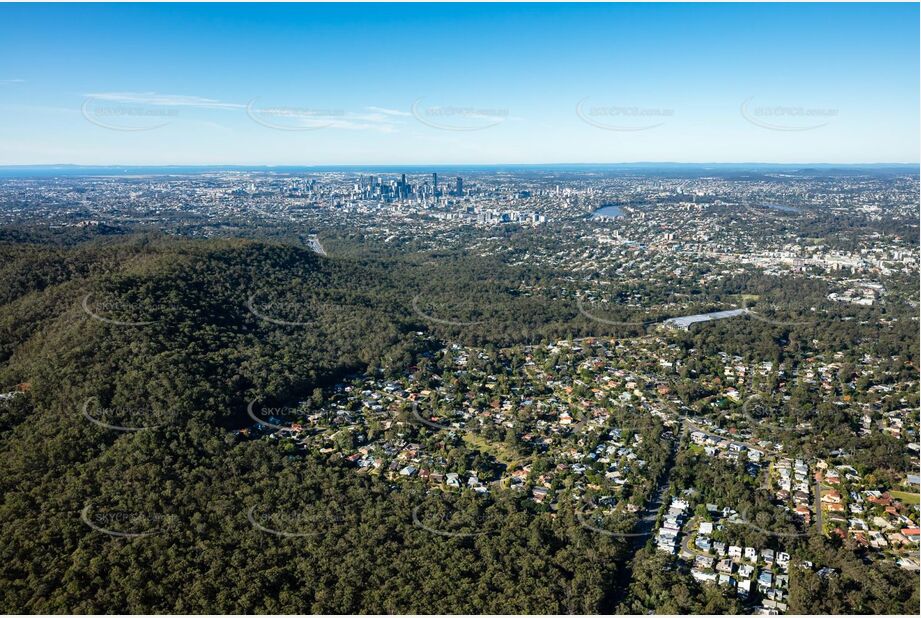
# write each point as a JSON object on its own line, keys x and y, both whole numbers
{"x": 642, "y": 531}
{"x": 818, "y": 506}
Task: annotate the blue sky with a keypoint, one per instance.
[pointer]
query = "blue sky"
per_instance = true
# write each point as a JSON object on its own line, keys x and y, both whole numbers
{"x": 448, "y": 83}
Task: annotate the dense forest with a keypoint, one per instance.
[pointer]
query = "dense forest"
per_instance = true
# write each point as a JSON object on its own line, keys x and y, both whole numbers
{"x": 179, "y": 345}
{"x": 176, "y": 336}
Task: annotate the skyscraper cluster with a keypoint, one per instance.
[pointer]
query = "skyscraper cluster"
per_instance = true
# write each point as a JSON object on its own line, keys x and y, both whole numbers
{"x": 377, "y": 188}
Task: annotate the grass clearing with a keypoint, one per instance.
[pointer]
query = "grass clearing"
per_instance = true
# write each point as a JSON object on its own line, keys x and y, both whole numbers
{"x": 906, "y": 497}
{"x": 503, "y": 453}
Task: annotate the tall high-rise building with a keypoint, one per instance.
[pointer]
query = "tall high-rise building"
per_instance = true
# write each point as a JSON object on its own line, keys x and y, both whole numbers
{"x": 435, "y": 184}
{"x": 460, "y": 186}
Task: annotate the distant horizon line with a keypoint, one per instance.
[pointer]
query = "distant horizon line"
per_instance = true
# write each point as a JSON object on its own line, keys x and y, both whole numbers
{"x": 457, "y": 165}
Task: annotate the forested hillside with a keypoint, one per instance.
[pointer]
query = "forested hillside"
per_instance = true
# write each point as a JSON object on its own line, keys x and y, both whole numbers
{"x": 160, "y": 330}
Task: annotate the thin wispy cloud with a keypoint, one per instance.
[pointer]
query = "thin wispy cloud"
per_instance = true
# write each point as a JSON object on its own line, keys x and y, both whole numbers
{"x": 10, "y": 82}
{"x": 303, "y": 118}
{"x": 164, "y": 100}
{"x": 387, "y": 111}
{"x": 371, "y": 118}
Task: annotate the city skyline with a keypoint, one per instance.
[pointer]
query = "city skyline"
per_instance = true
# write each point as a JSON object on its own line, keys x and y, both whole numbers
{"x": 390, "y": 85}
